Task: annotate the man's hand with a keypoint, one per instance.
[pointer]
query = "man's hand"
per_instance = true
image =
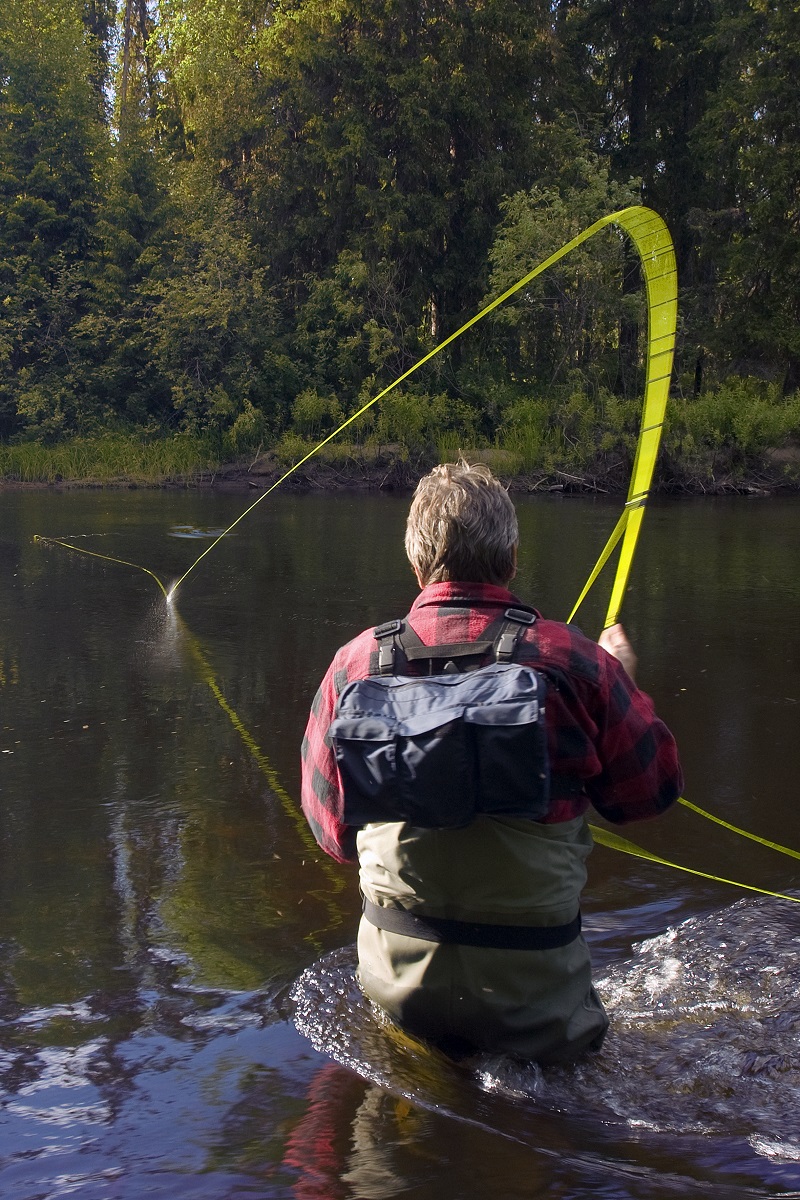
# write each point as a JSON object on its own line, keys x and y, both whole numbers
{"x": 614, "y": 640}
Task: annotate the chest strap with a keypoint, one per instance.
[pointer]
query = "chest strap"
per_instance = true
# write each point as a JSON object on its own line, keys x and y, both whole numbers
{"x": 471, "y": 933}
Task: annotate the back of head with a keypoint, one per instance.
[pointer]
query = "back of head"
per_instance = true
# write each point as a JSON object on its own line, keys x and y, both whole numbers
{"x": 462, "y": 526}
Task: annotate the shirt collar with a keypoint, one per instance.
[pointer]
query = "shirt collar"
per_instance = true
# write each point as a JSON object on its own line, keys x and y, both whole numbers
{"x": 471, "y": 594}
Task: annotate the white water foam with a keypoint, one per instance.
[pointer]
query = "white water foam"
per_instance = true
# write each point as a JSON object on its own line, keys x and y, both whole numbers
{"x": 705, "y": 1034}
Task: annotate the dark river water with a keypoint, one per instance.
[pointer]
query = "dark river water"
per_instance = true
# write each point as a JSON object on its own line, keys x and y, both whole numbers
{"x": 178, "y": 1016}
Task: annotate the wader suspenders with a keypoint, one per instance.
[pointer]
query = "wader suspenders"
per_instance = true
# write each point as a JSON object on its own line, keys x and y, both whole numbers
{"x": 399, "y": 645}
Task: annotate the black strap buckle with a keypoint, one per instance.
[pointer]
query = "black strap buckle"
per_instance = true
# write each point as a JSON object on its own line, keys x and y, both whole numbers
{"x": 388, "y": 629}
{"x": 516, "y": 619}
{"x": 386, "y": 648}
{"x": 522, "y": 616}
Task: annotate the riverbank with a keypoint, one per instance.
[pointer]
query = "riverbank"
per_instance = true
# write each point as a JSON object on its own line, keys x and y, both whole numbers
{"x": 192, "y": 463}
{"x": 740, "y": 437}
{"x": 390, "y": 470}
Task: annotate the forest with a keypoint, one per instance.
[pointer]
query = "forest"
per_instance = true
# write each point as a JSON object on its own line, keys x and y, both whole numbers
{"x": 226, "y": 224}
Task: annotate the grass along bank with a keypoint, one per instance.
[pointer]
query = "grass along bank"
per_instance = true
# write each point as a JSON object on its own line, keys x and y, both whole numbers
{"x": 741, "y": 436}
{"x": 111, "y": 459}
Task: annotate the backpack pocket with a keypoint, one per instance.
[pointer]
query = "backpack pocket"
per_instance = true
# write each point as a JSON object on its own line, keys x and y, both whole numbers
{"x": 436, "y": 751}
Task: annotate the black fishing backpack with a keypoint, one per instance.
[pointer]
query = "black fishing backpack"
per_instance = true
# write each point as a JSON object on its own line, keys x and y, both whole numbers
{"x": 438, "y": 749}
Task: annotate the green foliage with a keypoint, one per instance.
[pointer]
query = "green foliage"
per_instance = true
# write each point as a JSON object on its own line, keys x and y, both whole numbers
{"x": 109, "y": 459}
{"x": 248, "y": 432}
{"x": 315, "y": 416}
{"x": 51, "y": 150}
{"x": 567, "y": 429}
{"x": 209, "y": 325}
{"x": 571, "y": 318}
{"x": 748, "y": 137}
{"x": 418, "y": 421}
{"x": 402, "y": 424}
{"x": 727, "y": 430}
{"x": 247, "y": 219}
{"x": 120, "y": 377}
{"x": 389, "y": 132}
{"x": 349, "y": 327}
{"x": 100, "y": 18}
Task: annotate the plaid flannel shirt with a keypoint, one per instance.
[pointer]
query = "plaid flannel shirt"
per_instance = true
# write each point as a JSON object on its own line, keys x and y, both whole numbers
{"x": 607, "y": 747}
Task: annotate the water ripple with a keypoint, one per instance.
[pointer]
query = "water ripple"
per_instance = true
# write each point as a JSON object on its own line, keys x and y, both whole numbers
{"x": 704, "y": 1041}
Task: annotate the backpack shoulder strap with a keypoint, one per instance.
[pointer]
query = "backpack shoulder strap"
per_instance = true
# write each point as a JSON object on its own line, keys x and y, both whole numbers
{"x": 399, "y": 645}
{"x": 514, "y": 621}
{"x": 386, "y": 637}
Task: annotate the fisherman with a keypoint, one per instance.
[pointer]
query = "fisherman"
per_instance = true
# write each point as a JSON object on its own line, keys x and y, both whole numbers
{"x": 471, "y": 929}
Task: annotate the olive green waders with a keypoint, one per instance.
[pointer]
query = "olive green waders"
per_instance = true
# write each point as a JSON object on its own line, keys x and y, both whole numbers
{"x": 537, "y": 1004}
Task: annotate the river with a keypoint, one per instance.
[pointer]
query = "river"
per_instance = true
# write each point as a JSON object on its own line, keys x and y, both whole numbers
{"x": 178, "y": 1015}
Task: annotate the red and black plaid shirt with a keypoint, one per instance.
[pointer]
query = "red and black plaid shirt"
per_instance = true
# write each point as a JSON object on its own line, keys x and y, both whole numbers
{"x": 606, "y": 744}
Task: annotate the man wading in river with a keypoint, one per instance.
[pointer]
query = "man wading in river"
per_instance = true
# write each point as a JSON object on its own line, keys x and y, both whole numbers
{"x": 455, "y": 753}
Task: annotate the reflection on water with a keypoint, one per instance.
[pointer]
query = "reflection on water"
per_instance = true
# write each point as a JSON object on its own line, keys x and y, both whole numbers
{"x": 190, "y": 531}
{"x": 86, "y": 1103}
{"x": 159, "y": 898}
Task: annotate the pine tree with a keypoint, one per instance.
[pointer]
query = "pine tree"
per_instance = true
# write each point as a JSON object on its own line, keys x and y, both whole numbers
{"x": 52, "y": 151}
{"x": 750, "y": 141}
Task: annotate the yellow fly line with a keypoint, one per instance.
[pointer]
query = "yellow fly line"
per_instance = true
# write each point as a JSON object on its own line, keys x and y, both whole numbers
{"x": 753, "y": 837}
{"x": 651, "y": 238}
{"x": 122, "y": 562}
{"x": 653, "y": 244}
{"x": 614, "y": 842}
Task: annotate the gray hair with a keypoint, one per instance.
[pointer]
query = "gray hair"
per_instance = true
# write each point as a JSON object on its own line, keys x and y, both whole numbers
{"x": 462, "y": 526}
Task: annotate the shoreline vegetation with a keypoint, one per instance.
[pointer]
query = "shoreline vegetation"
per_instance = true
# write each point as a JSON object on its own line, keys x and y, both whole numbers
{"x": 224, "y": 228}
{"x": 742, "y": 438}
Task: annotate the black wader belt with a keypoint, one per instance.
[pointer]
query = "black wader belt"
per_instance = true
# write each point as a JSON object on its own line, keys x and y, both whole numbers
{"x": 471, "y": 933}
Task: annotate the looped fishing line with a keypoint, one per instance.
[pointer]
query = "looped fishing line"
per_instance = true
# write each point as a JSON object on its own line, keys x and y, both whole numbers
{"x": 123, "y": 562}
{"x": 653, "y": 244}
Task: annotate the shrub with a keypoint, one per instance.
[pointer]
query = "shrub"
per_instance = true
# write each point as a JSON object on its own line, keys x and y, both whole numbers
{"x": 568, "y": 428}
{"x": 315, "y": 416}
{"x": 418, "y": 422}
{"x": 729, "y": 428}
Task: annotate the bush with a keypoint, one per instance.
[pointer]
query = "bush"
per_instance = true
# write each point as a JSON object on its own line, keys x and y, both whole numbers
{"x": 728, "y": 430}
{"x": 569, "y": 429}
{"x": 315, "y": 416}
{"x": 422, "y": 422}
{"x": 248, "y": 430}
